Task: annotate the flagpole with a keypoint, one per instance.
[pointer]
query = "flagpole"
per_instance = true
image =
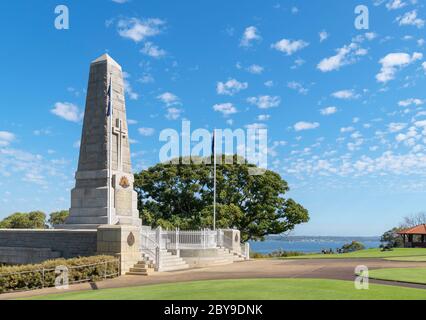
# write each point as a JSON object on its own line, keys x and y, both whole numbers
{"x": 214, "y": 180}
{"x": 110, "y": 154}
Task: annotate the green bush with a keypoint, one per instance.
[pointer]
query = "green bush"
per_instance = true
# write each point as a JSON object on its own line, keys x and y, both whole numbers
{"x": 29, "y": 277}
{"x": 352, "y": 247}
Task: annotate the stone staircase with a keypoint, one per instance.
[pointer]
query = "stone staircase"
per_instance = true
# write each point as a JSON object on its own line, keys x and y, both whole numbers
{"x": 145, "y": 267}
{"x": 169, "y": 262}
{"x": 222, "y": 256}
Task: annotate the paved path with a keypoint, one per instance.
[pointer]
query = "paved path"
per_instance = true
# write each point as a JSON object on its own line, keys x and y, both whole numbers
{"x": 340, "y": 269}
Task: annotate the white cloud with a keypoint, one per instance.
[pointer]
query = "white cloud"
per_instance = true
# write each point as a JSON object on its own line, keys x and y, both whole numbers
{"x": 231, "y": 87}
{"x": 370, "y": 35}
{"x": 173, "y": 113}
{"x": 411, "y": 19}
{"x": 265, "y": 102}
{"x": 394, "y": 61}
{"x": 6, "y": 138}
{"x": 345, "y": 94}
{"x": 169, "y": 99}
{"x": 255, "y": 69}
{"x": 128, "y": 87}
{"x": 424, "y": 66}
{"x": 138, "y": 30}
{"x": 302, "y": 125}
{"x": 251, "y": 34}
{"x": 146, "y": 132}
{"x": 395, "y": 127}
{"x": 395, "y": 4}
{"x": 255, "y": 126}
{"x": 328, "y": 111}
{"x": 152, "y": 50}
{"x": 421, "y": 124}
{"x": 345, "y": 56}
{"x": 67, "y": 111}
{"x": 263, "y": 117}
{"x": 347, "y": 129}
{"x": 298, "y": 63}
{"x": 409, "y": 102}
{"x": 288, "y": 46}
{"x": 42, "y": 132}
{"x": 120, "y": 1}
{"x": 298, "y": 87}
{"x": 323, "y": 35}
{"x": 225, "y": 108}
{"x": 270, "y": 83}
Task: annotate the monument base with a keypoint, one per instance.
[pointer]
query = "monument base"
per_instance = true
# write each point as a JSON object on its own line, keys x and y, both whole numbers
{"x": 120, "y": 241}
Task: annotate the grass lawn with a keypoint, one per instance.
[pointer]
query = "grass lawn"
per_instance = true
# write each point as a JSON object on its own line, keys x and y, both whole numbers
{"x": 412, "y": 259}
{"x": 253, "y": 289}
{"x": 369, "y": 253}
{"x": 414, "y": 275}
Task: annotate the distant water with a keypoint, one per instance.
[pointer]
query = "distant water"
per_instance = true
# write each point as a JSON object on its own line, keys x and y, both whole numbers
{"x": 309, "y": 245}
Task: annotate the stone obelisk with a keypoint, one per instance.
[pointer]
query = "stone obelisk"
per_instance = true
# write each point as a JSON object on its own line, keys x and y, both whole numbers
{"x": 104, "y": 193}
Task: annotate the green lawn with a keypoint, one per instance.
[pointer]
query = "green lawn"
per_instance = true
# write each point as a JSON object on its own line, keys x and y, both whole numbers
{"x": 369, "y": 253}
{"x": 412, "y": 259}
{"x": 413, "y": 275}
{"x": 253, "y": 289}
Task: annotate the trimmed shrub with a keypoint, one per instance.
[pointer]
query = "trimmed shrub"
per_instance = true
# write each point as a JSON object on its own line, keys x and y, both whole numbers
{"x": 37, "y": 276}
{"x": 352, "y": 247}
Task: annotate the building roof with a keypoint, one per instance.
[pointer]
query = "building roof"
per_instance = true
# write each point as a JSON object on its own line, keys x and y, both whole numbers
{"x": 420, "y": 229}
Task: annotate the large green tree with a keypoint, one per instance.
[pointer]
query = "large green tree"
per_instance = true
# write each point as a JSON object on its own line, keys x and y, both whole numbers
{"x": 181, "y": 196}
{"x": 31, "y": 220}
{"x": 58, "y": 217}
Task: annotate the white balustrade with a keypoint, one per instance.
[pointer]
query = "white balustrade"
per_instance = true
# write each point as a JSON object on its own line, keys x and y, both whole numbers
{"x": 153, "y": 241}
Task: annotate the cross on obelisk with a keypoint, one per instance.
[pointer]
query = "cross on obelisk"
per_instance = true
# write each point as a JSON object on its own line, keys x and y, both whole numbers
{"x": 121, "y": 134}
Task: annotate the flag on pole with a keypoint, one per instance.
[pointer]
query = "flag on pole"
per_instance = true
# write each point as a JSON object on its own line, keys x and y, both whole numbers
{"x": 214, "y": 178}
{"x": 109, "y": 115}
{"x": 213, "y": 143}
{"x": 109, "y": 110}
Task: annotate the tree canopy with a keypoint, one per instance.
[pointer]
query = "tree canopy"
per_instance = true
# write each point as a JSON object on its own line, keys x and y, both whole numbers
{"x": 31, "y": 220}
{"x": 392, "y": 239}
{"x": 58, "y": 217}
{"x": 176, "y": 195}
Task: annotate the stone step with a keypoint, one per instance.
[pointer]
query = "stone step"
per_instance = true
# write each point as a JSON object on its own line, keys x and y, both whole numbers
{"x": 172, "y": 263}
{"x": 144, "y": 265}
{"x": 195, "y": 263}
{"x": 137, "y": 273}
{"x": 169, "y": 258}
{"x": 141, "y": 270}
{"x": 174, "y": 268}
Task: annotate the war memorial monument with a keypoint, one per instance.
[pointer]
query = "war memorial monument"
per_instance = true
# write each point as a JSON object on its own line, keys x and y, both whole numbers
{"x": 104, "y": 218}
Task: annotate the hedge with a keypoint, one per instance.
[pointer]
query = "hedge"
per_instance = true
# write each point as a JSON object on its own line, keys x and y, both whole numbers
{"x": 37, "y": 276}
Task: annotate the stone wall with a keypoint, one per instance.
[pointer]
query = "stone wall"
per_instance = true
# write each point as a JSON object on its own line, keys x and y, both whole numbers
{"x": 28, "y": 246}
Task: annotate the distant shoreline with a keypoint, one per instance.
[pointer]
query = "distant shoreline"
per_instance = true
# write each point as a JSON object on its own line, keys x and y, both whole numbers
{"x": 309, "y": 244}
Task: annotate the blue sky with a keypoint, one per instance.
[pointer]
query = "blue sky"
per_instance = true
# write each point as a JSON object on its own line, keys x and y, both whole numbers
{"x": 344, "y": 108}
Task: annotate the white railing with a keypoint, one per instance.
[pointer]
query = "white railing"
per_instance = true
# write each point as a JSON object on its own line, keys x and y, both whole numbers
{"x": 245, "y": 250}
{"x": 190, "y": 239}
{"x": 154, "y": 241}
{"x": 150, "y": 247}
